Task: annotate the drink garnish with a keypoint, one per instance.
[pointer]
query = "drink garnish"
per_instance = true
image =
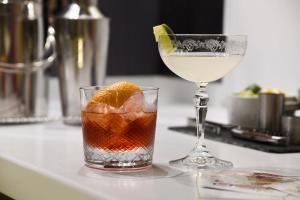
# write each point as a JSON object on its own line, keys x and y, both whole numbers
{"x": 114, "y": 95}
{"x": 273, "y": 91}
{"x": 251, "y": 90}
{"x": 163, "y": 33}
{"x": 254, "y": 90}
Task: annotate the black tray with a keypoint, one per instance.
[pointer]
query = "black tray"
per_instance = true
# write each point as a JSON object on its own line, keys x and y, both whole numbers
{"x": 227, "y": 137}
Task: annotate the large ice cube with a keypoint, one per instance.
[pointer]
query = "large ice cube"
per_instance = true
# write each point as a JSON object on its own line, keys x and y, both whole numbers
{"x": 150, "y": 107}
{"x": 135, "y": 103}
{"x": 98, "y": 108}
{"x": 118, "y": 124}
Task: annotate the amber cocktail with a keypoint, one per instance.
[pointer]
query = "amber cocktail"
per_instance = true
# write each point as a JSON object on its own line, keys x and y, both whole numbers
{"x": 118, "y": 124}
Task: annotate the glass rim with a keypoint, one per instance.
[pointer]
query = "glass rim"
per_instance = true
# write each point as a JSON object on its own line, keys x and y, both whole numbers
{"x": 208, "y": 34}
{"x": 98, "y": 87}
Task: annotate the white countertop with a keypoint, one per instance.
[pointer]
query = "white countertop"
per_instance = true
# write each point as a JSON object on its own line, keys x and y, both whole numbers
{"x": 45, "y": 161}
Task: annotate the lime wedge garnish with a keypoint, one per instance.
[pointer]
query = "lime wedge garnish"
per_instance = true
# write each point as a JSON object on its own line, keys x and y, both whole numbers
{"x": 162, "y": 35}
{"x": 162, "y": 29}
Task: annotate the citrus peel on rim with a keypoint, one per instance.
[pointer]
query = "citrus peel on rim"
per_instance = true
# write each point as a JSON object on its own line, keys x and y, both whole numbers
{"x": 114, "y": 95}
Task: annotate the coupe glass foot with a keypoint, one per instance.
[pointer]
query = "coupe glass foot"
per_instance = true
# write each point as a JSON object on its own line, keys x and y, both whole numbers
{"x": 198, "y": 162}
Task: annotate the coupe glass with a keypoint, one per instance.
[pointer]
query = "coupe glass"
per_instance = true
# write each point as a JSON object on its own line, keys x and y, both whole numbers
{"x": 201, "y": 59}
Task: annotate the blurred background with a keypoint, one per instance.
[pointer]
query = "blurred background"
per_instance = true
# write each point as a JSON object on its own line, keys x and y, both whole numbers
{"x": 271, "y": 59}
{"x": 132, "y": 48}
{"x": 272, "y": 27}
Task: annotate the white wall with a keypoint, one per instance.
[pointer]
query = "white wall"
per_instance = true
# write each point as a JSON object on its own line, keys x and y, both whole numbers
{"x": 273, "y": 54}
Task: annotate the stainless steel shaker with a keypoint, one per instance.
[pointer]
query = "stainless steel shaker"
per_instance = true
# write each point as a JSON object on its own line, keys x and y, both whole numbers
{"x": 23, "y": 81}
{"x": 82, "y": 34}
{"x": 271, "y": 107}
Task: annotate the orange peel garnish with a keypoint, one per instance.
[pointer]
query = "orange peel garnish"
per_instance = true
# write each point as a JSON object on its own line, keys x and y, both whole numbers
{"x": 114, "y": 95}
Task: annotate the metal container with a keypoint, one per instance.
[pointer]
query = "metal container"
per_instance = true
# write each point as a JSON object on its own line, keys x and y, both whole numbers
{"x": 243, "y": 111}
{"x": 82, "y": 42}
{"x": 291, "y": 128}
{"x": 23, "y": 81}
{"x": 271, "y": 107}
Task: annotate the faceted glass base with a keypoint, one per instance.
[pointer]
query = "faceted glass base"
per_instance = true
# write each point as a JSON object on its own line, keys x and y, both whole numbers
{"x": 200, "y": 160}
{"x": 121, "y": 160}
{"x": 116, "y": 166}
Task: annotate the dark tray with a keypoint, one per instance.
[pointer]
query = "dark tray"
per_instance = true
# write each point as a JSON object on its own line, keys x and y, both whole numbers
{"x": 227, "y": 137}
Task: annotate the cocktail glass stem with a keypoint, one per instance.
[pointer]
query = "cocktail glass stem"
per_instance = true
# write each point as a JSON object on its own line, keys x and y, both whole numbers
{"x": 200, "y": 100}
{"x": 199, "y": 158}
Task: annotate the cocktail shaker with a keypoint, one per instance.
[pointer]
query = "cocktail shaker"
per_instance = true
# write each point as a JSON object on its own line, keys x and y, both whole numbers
{"x": 23, "y": 79}
{"x": 82, "y": 34}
